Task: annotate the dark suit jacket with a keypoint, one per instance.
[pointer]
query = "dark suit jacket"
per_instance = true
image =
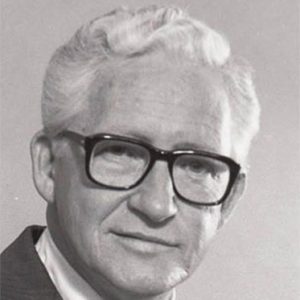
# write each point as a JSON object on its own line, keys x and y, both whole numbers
{"x": 23, "y": 275}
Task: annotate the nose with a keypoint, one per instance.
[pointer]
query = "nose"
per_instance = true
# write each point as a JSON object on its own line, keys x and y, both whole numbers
{"x": 155, "y": 198}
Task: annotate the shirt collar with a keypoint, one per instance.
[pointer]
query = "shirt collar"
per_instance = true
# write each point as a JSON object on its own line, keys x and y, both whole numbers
{"x": 67, "y": 281}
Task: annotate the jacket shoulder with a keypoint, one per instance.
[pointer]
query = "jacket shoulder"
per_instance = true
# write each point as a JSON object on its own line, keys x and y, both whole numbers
{"x": 23, "y": 275}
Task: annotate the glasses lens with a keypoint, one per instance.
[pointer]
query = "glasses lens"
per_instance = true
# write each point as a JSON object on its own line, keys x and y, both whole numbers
{"x": 201, "y": 179}
{"x": 118, "y": 163}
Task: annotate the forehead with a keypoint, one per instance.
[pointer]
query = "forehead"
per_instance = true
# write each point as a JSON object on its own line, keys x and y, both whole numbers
{"x": 167, "y": 103}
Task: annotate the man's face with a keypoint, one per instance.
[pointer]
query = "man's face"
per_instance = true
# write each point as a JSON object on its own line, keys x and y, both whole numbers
{"x": 109, "y": 235}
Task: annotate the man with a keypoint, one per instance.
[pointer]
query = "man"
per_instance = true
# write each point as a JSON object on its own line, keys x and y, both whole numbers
{"x": 147, "y": 124}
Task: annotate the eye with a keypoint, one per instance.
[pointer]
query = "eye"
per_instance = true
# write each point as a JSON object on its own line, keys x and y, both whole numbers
{"x": 112, "y": 150}
{"x": 201, "y": 167}
{"x": 116, "y": 153}
{"x": 117, "y": 150}
{"x": 195, "y": 165}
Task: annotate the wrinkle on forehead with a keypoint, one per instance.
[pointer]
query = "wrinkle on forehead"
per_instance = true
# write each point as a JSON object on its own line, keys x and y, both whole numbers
{"x": 167, "y": 77}
{"x": 171, "y": 97}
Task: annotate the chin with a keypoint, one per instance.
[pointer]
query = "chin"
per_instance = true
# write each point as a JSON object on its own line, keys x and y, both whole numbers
{"x": 144, "y": 283}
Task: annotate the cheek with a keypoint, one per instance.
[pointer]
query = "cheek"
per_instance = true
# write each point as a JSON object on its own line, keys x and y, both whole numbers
{"x": 202, "y": 226}
{"x": 82, "y": 209}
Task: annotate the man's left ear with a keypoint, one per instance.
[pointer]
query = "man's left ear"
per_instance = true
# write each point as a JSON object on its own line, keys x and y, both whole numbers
{"x": 231, "y": 202}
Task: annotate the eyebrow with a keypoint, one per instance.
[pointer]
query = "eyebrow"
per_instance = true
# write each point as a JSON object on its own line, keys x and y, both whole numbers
{"x": 191, "y": 146}
{"x": 177, "y": 146}
{"x": 139, "y": 136}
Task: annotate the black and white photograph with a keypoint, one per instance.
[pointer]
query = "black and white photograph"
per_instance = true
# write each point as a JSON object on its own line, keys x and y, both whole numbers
{"x": 150, "y": 150}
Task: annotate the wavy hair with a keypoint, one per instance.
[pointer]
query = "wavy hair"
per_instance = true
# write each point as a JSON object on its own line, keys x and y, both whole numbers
{"x": 125, "y": 33}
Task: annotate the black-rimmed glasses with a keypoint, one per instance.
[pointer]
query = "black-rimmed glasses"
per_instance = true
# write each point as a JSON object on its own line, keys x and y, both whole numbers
{"x": 122, "y": 163}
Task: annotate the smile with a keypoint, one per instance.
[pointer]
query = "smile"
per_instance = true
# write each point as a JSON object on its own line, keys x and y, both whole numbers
{"x": 144, "y": 243}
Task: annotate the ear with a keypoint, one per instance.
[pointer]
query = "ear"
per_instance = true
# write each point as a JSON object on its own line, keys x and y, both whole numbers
{"x": 231, "y": 202}
{"x": 43, "y": 165}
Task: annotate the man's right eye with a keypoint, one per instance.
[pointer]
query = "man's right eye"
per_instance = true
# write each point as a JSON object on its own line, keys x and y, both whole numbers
{"x": 112, "y": 152}
{"x": 117, "y": 150}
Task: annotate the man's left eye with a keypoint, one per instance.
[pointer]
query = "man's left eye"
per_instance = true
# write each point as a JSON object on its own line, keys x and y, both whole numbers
{"x": 197, "y": 167}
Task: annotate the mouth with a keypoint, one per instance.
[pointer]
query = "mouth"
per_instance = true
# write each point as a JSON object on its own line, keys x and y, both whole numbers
{"x": 144, "y": 243}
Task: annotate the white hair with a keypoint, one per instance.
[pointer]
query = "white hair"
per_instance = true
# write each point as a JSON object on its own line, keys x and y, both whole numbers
{"x": 124, "y": 33}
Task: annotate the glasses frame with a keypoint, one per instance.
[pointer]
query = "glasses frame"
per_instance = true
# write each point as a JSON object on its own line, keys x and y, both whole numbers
{"x": 89, "y": 142}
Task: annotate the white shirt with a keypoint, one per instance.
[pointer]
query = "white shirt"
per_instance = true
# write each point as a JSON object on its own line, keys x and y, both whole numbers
{"x": 69, "y": 284}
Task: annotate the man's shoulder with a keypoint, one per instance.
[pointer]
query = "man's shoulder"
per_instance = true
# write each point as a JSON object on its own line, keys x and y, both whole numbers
{"x": 28, "y": 237}
{"x": 23, "y": 275}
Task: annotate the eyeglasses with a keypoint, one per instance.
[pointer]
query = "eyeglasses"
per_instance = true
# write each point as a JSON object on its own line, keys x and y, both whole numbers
{"x": 122, "y": 163}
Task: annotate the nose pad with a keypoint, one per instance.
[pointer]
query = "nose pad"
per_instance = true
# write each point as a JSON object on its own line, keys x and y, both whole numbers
{"x": 155, "y": 197}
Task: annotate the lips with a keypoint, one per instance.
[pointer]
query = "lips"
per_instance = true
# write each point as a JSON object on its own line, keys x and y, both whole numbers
{"x": 146, "y": 238}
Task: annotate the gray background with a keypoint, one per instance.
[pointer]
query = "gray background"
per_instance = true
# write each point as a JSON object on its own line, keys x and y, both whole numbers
{"x": 256, "y": 257}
